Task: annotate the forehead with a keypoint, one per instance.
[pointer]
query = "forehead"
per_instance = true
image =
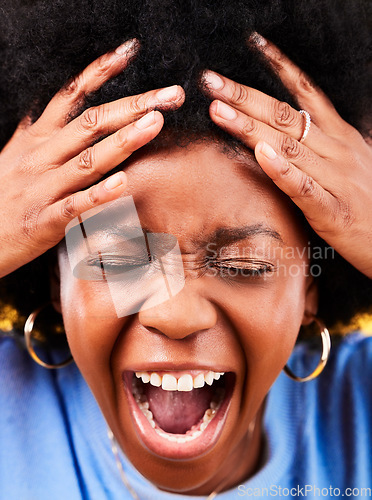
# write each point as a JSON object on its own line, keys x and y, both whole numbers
{"x": 197, "y": 169}
{"x": 196, "y": 190}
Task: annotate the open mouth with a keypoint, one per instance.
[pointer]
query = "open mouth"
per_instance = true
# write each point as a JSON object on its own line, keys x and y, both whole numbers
{"x": 179, "y": 414}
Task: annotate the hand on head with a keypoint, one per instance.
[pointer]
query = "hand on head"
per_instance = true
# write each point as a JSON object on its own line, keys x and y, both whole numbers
{"x": 327, "y": 174}
{"x": 47, "y": 166}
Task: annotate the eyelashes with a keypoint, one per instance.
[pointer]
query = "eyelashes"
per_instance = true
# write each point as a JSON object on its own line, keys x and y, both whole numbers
{"x": 229, "y": 270}
{"x": 241, "y": 271}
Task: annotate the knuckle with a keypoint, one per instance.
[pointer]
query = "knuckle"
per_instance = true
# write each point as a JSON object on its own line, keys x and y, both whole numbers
{"x": 135, "y": 105}
{"x": 307, "y": 186}
{"x": 239, "y": 95}
{"x": 103, "y": 65}
{"x": 291, "y": 148}
{"x": 86, "y": 159}
{"x": 286, "y": 170}
{"x": 249, "y": 126}
{"x": 284, "y": 115}
{"x": 72, "y": 87}
{"x": 121, "y": 139}
{"x": 147, "y": 102}
{"x": 89, "y": 120}
{"x": 279, "y": 57}
{"x": 304, "y": 84}
{"x": 92, "y": 195}
{"x": 69, "y": 209}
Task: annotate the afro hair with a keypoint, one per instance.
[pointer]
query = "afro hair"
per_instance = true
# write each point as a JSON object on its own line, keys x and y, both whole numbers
{"x": 44, "y": 43}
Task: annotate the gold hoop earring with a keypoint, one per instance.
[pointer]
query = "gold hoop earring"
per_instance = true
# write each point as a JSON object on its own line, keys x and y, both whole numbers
{"x": 29, "y": 326}
{"x": 326, "y": 343}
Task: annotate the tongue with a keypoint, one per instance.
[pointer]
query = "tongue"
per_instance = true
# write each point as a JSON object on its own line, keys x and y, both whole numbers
{"x": 176, "y": 412}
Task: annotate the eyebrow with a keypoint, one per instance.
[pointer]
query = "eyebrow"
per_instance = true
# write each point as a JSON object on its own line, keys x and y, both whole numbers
{"x": 224, "y": 236}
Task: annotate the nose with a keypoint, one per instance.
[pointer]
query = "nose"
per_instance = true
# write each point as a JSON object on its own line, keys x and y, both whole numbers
{"x": 181, "y": 315}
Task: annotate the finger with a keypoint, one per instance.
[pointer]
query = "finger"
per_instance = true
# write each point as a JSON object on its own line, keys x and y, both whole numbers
{"x": 103, "y": 120}
{"x": 96, "y": 161}
{"x": 316, "y": 203}
{"x": 279, "y": 115}
{"x": 89, "y": 80}
{"x": 309, "y": 96}
{"x": 251, "y": 132}
{"x": 54, "y": 219}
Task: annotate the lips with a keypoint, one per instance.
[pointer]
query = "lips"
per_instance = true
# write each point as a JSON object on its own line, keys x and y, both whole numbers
{"x": 179, "y": 414}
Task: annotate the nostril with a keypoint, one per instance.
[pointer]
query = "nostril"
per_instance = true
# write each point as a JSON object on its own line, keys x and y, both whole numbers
{"x": 155, "y": 331}
{"x": 179, "y": 334}
{"x": 180, "y": 316}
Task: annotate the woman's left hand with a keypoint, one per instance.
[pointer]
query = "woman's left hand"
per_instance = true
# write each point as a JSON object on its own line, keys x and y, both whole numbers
{"x": 328, "y": 175}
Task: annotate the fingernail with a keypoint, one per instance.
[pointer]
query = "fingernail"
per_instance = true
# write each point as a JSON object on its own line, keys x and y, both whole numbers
{"x": 167, "y": 93}
{"x": 258, "y": 39}
{"x": 145, "y": 121}
{"x": 113, "y": 182}
{"x": 225, "y": 111}
{"x": 268, "y": 151}
{"x": 213, "y": 80}
{"x": 126, "y": 47}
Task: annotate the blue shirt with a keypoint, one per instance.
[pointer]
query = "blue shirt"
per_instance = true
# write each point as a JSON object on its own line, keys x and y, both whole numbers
{"x": 54, "y": 444}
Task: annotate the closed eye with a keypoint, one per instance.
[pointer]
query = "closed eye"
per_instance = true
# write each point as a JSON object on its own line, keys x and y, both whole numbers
{"x": 241, "y": 269}
{"x": 100, "y": 267}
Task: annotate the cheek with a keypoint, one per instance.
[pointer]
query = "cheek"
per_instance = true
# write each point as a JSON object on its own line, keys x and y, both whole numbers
{"x": 91, "y": 324}
{"x": 267, "y": 318}
{"x": 93, "y": 329}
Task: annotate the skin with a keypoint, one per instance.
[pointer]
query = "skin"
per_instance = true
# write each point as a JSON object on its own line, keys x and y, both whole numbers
{"x": 248, "y": 325}
{"x": 45, "y": 173}
{"x": 46, "y": 166}
{"x": 328, "y": 175}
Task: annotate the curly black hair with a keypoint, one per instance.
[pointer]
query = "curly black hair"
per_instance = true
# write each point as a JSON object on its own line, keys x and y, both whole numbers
{"x": 44, "y": 43}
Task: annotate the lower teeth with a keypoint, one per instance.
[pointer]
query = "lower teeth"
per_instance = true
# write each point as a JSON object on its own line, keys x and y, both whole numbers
{"x": 195, "y": 431}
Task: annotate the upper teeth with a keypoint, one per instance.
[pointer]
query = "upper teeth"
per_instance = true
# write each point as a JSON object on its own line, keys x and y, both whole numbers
{"x": 185, "y": 382}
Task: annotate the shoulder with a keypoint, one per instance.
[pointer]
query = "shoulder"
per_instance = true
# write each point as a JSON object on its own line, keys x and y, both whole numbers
{"x": 15, "y": 362}
{"x": 32, "y": 429}
{"x": 351, "y": 358}
{"x": 330, "y": 416}
{"x": 342, "y": 393}
{"x": 24, "y": 385}
{"x": 341, "y": 396}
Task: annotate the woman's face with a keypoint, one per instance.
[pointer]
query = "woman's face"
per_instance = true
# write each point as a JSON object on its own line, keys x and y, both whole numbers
{"x": 245, "y": 296}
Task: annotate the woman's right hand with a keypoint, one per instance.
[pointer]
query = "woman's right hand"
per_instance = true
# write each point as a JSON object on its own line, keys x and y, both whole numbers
{"x": 46, "y": 165}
